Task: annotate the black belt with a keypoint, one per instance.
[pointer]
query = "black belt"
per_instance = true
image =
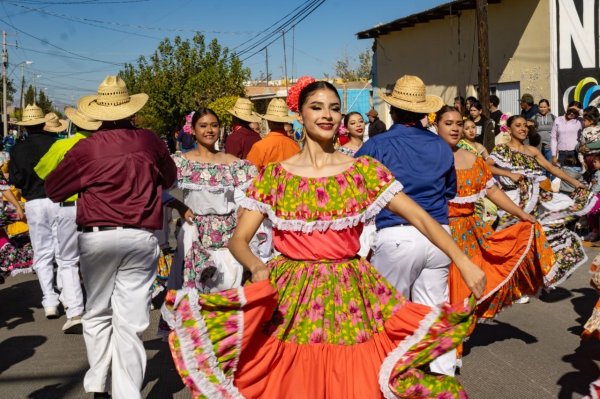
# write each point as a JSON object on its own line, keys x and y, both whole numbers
{"x": 91, "y": 229}
{"x": 70, "y": 203}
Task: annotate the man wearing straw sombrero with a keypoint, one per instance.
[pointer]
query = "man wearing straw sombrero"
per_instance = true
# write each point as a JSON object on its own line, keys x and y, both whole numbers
{"x": 424, "y": 164}
{"x": 120, "y": 173}
{"x": 67, "y": 235}
{"x": 40, "y": 210}
{"x": 242, "y": 138}
{"x": 276, "y": 146}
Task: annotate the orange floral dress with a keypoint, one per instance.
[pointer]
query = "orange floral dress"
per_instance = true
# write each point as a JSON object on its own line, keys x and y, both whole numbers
{"x": 515, "y": 260}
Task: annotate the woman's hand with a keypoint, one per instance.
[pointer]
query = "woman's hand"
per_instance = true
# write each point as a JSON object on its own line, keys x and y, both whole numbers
{"x": 515, "y": 177}
{"x": 583, "y": 149}
{"x": 474, "y": 278}
{"x": 188, "y": 216}
{"x": 527, "y": 218}
{"x": 260, "y": 273}
{"x": 20, "y": 214}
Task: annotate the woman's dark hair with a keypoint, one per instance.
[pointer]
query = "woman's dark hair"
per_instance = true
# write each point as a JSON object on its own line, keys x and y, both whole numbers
{"x": 575, "y": 104}
{"x": 592, "y": 114}
{"x": 510, "y": 120}
{"x": 477, "y": 105}
{"x": 460, "y": 99}
{"x": 348, "y": 115}
{"x": 543, "y": 100}
{"x": 445, "y": 109}
{"x": 202, "y": 112}
{"x": 314, "y": 86}
{"x": 597, "y": 156}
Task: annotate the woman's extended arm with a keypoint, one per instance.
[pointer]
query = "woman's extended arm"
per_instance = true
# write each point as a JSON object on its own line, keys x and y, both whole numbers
{"x": 496, "y": 171}
{"x": 405, "y": 207}
{"x": 558, "y": 172}
{"x": 11, "y": 198}
{"x": 498, "y": 197}
{"x": 248, "y": 224}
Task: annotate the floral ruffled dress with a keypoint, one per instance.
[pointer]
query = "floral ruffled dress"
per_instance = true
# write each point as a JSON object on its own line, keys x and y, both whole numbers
{"x": 552, "y": 210}
{"x": 326, "y": 324}
{"x": 515, "y": 259}
{"x": 16, "y": 255}
{"x": 212, "y": 192}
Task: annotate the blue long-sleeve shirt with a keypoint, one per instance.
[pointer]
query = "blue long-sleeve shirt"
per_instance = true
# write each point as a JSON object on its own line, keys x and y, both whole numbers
{"x": 422, "y": 162}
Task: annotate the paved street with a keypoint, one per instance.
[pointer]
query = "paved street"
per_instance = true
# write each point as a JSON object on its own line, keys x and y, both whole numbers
{"x": 531, "y": 351}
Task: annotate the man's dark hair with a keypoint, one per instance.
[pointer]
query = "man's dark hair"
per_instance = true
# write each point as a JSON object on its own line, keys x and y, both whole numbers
{"x": 494, "y": 100}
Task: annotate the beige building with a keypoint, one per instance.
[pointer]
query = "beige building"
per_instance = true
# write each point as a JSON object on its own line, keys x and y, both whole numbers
{"x": 440, "y": 46}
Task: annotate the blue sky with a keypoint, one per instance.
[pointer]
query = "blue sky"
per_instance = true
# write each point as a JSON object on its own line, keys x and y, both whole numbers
{"x": 74, "y": 44}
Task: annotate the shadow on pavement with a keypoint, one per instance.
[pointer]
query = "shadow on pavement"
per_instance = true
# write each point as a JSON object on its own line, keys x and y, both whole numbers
{"x": 583, "y": 361}
{"x": 14, "y": 350}
{"x": 161, "y": 368}
{"x": 20, "y": 300}
{"x": 58, "y": 391}
{"x": 583, "y": 306}
{"x": 556, "y": 295}
{"x": 488, "y": 333}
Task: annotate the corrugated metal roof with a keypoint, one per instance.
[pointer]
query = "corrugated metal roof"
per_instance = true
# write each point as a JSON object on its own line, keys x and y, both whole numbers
{"x": 439, "y": 12}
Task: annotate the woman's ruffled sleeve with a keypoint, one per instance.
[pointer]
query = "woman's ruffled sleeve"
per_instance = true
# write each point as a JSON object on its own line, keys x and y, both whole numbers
{"x": 260, "y": 195}
{"x": 244, "y": 174}
{"x": 379, "y": 184}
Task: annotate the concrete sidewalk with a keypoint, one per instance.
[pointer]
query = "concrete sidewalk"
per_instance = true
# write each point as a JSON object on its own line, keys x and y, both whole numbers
{"x": 532, "y": 351}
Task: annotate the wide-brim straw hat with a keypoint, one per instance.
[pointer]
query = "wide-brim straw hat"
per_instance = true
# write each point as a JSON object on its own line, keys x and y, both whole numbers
{"x": 409, "y": 94}
{"x": 81, "y": 120}
{"x": 32, "y": 115}
{"x": 243, "y": 110}
{"x": 53, "y": 124}
{"x": 277, "y": 111}
{"x": 113, "y": 102}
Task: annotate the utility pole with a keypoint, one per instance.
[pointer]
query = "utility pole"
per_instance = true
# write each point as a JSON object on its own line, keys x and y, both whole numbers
{"x": 267, "y": 62}
{"x": 484, "y": 55}
{"x": 284, "y": 61}
{"x": 4, "y": 64}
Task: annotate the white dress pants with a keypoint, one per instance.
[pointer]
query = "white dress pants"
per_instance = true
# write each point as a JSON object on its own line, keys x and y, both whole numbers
{"x": 118, "y": 267}
{"x": 41, "y": 219}
{"x": 71, "y": 294}
{"x": 418, "y": 270}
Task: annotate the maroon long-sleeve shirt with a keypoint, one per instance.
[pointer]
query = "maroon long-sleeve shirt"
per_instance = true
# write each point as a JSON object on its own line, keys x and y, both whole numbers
{"x": 240, "y": 141}
{"x": 119, "y": 175}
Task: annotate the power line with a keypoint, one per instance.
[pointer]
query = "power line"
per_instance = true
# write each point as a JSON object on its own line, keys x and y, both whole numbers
{"x": 60, "y": 48}
{"x": 114, "y": 23}
{"x": 91, "y": 2}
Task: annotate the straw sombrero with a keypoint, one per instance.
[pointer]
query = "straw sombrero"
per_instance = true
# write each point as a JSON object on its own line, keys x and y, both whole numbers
{"x": 113, "y": 102}
{"x": 409, "y": 95}
{"x": 81, "y": 120}
{"x": 32, "y": 115}
{"x": 243, "y": 110}
{"x": 277, "y": 111}
{"x": 53, "y": 124}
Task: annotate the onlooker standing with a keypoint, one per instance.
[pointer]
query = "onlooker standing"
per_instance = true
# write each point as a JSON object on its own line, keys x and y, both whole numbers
{"x": 120, "y": 173}
{"x": 528, "y": 107}
{"x": 460, "y": 105}
{"x": 242, "y": 138}
{"x": 485, "y": 127}
{"x": 565, "y": 134}
{"x": 495, "y": 113}
{"x": 545, "y": 120}
{"x": 276, "y": 146}
{"x": 40, "y": 210}
{"x": 376, "y": 125}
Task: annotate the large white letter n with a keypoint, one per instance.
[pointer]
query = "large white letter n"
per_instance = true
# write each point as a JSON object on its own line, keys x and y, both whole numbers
{"x": 570, "y": 28}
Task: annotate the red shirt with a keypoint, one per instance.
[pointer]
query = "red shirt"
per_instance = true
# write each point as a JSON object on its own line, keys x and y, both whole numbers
{"x": 119, "y": 175}
{"x": 240, "y": 141}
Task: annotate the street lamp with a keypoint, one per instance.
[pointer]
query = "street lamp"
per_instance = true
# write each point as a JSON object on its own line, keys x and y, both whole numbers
{"x": 34, "y": 88}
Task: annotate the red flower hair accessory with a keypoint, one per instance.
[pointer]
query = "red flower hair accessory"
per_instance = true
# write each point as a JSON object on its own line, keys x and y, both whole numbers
{"x": 294, "y": 92}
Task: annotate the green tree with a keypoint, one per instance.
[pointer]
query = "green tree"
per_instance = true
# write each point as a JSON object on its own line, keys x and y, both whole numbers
{"x": 44, "y": 102}
{"x": 29, "y": 96}
{"x": 345, "y": 69}
{"x": 9, "y": 92}
{"x": 181, "y": 76}
{"x": 220, "y": 106}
